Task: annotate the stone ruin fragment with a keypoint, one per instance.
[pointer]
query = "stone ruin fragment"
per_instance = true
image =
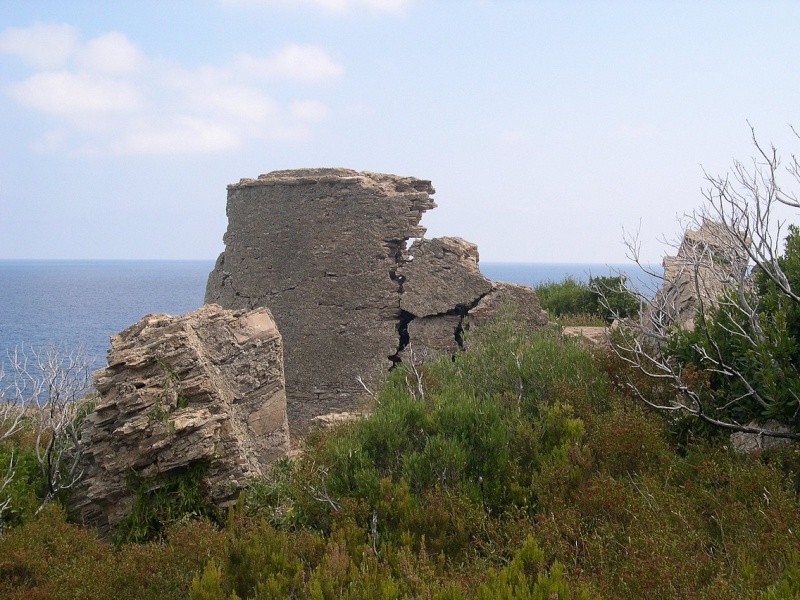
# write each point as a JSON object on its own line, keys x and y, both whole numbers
{"x": 206, "y": 387}
{"x": 327, "y": 251}
{"x": 708, "y": 260}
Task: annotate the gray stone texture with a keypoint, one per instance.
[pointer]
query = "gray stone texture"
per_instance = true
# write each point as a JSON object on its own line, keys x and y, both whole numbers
{"x": 519, "y": 299}
{"x": 708, "y": 260}
{"x": 206, "y": 387}
{"x": 750, "y": 443}
{"x": 441, "y": 276}
{"x": 326, "y": 251}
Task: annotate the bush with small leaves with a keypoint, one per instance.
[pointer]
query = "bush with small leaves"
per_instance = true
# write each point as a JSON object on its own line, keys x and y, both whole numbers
{"x": 178, "y": 495}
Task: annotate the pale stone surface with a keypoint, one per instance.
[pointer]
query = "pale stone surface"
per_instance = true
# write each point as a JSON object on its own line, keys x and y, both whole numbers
{"x": 520, "y": 299}
{"x": 706, "y": 260}
{"x": 206, "y": 387}
{"x": 748, "y": 443}
{"x": 594, "y": 336}
{"x": 433, "y": 336}
{"x": 441, "y": 276}
{"x": 321, "y": 248}
{"x": 332, "y": 419}
{"x": 326, "y": 251}
{"x": 441, "y": 283}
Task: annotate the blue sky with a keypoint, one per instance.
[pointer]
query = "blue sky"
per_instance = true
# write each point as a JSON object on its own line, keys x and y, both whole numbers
{"x": 546, "y": 127}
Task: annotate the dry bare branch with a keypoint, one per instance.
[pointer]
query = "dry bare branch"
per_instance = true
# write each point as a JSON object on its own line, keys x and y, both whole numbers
{"x": 45, "y": 392}
{"x": 739, "y": 229}
{"x": 419, "y": 392}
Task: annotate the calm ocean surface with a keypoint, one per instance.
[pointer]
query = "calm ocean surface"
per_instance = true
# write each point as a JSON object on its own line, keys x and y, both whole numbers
{"x": 85, "y": 302}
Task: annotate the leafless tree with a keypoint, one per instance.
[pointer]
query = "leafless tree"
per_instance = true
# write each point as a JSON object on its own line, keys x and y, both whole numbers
{"x": 740, "y": 228}
{"x": 43, "y": 392}
{"x": 11, "y": 421}
{"x": 5, "y": 499}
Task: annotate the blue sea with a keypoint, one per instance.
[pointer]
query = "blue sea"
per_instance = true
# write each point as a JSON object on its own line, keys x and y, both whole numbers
{"x": 83, "y": 303}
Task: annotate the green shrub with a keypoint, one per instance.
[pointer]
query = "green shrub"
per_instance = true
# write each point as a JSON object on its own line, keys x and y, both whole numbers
{"x": 157, "y": 504}
{"x": 567, "y": 297}
{"x": 47, "y": 557}
{"x": 442, "y": 460}
{"x": 788, "y": 588}
{"x": 520, "y": 471}
{"x": 628, "y": 440}
{"x": 612, "y": 298}
{"x": 208, "y": 584}
{"x": 578, "y": 303}
{"x": 25, "y": 488}
{"x": 746, "y": 349}
{"x": 506, "y": 360}
{"x": 259, "y": 558}
{"x": 526, "y": 578}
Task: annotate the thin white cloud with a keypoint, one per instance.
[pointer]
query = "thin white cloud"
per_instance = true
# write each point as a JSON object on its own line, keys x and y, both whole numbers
{"x": 52, "y": 141}
{"x": 111, "y": 53}
{"x": 75, "y": 94}
{"x": 109, "y": 97}
{"x": 333, "y": 6}
{"x": 384, "y": 5}
{"x": 303, "y": 63}
{"x": 43, "y": 45}
{"x": 181, "y": 135}
{"x": 239, "y": 103}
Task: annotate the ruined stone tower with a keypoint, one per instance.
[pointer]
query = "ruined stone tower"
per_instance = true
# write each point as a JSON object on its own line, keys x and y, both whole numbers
{"x": 326, "y": 251}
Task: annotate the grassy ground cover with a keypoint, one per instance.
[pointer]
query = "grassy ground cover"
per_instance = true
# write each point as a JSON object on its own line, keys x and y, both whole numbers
{"x": 521, "y": 469}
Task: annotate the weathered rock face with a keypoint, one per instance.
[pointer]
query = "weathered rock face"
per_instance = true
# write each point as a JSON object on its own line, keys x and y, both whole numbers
{"x": 441, "y": 283}
{"x": 205, "y": 387}
{"x": 326, "y": 250}
{"x": 749, "y": 443}
{"x": 441, "y": 276}
{"x": 589, "y": 336}
{"x": 520, "y": 298}
{"x": 706, "y": 260}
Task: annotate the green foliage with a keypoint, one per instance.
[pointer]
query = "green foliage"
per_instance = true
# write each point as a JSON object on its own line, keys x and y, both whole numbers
{"x": 520, "y": 471}
{"x": 208, "y": 584}
{"x": 603, "y": 297}
{"x": 156, "y": 504}
{"x": 26, "y": 486}
{"x": 612, "y": 297}
{"x": 525, "y": 578}
{"x": 788, "y": 588}
{"x": 766, "y": 355}
{"x": 525, "y": 370}
{"x": 486, "y": 423}
{"x": 567, "y": 297}
{"x": 49, "y": 558}
{"x": 259, "y": 559}
{"x": 274, "y": 497}
{"x": 628, "y": 440}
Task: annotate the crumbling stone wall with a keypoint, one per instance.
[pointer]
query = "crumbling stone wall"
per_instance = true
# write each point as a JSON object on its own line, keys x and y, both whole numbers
{"x": 205, "y": 387}
{"x": 707, "y": 261}
{"x": 326, "y": 251}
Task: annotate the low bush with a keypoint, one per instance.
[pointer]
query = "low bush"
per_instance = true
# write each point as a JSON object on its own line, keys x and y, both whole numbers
{"x": 567, "y": 297}
{"x": 23, "y": 492}
{"x": 597, "y": 302}
{"x": 49, "y": 558}
{"x": 178, "y": 496}
{"x": 518, "y": 470}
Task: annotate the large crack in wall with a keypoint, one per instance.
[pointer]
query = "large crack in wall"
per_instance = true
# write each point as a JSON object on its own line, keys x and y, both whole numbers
{"x": 326, "y": 251}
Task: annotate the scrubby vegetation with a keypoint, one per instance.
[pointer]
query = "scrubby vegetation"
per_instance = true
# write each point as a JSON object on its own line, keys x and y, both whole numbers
{"x": 749, "y": 355}
{"x": 598, "y": 302}
{"x": 522, "y": 469}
